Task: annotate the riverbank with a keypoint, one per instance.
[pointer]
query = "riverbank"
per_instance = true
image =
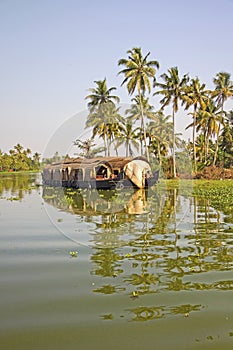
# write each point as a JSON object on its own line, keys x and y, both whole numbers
{"x": 215, "y": 173}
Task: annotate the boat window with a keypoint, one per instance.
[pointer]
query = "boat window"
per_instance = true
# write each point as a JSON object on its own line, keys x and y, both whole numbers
{"x": 101, "y": 172}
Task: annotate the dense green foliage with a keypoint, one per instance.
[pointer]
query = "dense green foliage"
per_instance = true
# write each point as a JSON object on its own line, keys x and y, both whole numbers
{"x": 19, "y": 159}
{"x": 155, "y": 132}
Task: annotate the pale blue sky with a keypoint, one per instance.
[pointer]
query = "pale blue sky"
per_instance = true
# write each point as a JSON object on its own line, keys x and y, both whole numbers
{"x": 53, "y": 50}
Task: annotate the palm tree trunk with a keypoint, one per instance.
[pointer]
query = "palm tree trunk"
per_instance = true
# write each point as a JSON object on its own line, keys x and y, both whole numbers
{"x": 105, "y": 145}
{"x": 127, "y": 148}
{"x": 143, "y": 126}
{"x": 115, "y": 147}
{"x": 108, "y": 146}
{"x": 194, "y": 137}
{"x": 206, "y": 146}
{"x": 174, "y": 145}
{"x": 216, "y": 150}
{"x": 159, "y": 154}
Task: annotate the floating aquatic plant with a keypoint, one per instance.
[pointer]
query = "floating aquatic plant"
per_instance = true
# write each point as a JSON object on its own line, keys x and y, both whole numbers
{"x": 13, "y": 199}
{"x": 73, "y": 254}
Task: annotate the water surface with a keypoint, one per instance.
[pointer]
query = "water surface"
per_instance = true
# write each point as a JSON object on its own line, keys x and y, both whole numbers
{"x": 120, "y": 270}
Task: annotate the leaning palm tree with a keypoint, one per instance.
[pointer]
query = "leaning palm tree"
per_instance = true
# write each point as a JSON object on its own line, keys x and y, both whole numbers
{"x": 195, "y": 95}
{"x": 172, "y": 89}
{"x": 223, "y": 90}
{"x": 137, "y": 72}
{"x": 99, "y": 100}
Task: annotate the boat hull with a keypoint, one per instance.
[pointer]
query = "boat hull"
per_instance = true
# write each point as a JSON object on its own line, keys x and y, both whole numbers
{"x": 102, "y": 184}
{"x": 100, "y": 173}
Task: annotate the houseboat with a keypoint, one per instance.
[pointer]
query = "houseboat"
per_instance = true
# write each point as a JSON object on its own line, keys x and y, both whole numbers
{"x": 100, "y": 173}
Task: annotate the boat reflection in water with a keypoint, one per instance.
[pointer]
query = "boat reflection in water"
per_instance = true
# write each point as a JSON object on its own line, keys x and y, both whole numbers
{"x": 89, "y": 202}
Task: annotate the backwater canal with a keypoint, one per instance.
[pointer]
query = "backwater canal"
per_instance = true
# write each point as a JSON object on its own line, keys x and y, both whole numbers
{"x": 113, "y": 270}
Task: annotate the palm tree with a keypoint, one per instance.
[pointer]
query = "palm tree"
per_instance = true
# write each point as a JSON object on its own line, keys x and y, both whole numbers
{"x": 87, "y": 148}
{"x": 208, "y": 121}
{"x": 200, "y": 148}
{"x": 18, "y": 148}
{"x": 100, "y": 99}
{"x": 172, "y": 89}
{"x": 106, "y": 127}
{"x": 134, "y": 113}
{"x": 36, "y": 160}
{"x": 137, "y": 72}
{"x": 101, "y": 95}
{"x": 128, "y": 137}
{"x": 160, "y": 129}
{"x": 226, "y": 144}
{"x": 195, "y": 95}
{"x": 223, "y": 90}
{"x": 115, "y": 130}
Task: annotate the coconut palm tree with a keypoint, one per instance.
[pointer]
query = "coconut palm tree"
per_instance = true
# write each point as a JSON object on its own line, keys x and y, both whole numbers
{"x": 160, "y": 130}
{"x": 195, "y": 95}
{"x": 99, "y": 101}
{"x": 226, "y": 144}
{"x": 172, "y": 89}
{"x": 101, "y": 95}
{"x": 208, "y": 121}
{"x": 134, "y": 114}
{"x": 18, "y": 148}
{"x": 200, "y": 149}
{"x": 36, "y": 160}
{"x": 137, "y": 73}
{"x": 129, "y": 138}
{"x": 107, "y": 127}
{"x": 223, "y": 90}
{"x": 87, "y": 148}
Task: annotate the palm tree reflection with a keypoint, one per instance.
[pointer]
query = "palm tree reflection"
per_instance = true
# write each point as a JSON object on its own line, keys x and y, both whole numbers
{"x": 144, "y": 244}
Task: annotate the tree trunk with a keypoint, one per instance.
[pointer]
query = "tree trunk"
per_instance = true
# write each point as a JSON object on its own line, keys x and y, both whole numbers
{"x": 194, "y": 137}
{"x": 159, "y": 154}
{"x": 174, "y": 145}
{"x": 216, "y": 150}
{"x": 127, "y": 148}
{"x": 144, "y": 129}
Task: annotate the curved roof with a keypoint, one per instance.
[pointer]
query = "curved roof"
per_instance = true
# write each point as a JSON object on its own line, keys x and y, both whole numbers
{"x": 75, "y": 163}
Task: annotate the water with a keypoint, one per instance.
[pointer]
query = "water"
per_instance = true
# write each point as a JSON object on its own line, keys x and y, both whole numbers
{"x": 122, "y": 270}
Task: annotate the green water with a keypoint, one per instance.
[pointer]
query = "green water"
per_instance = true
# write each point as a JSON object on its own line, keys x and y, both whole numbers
{"x": 113, "y": 270}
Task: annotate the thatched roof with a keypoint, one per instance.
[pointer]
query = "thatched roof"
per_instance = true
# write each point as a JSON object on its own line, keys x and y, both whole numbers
{"x": 75, "y": 163}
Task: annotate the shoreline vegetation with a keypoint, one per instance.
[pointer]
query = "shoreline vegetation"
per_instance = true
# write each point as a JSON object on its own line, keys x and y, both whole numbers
{"x": 19, "y": 159}
{"x": 149, "y": 131}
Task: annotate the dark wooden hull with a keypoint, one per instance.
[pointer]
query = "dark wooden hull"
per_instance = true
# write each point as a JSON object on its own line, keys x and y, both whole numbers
{"x": 102, "y": 184}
